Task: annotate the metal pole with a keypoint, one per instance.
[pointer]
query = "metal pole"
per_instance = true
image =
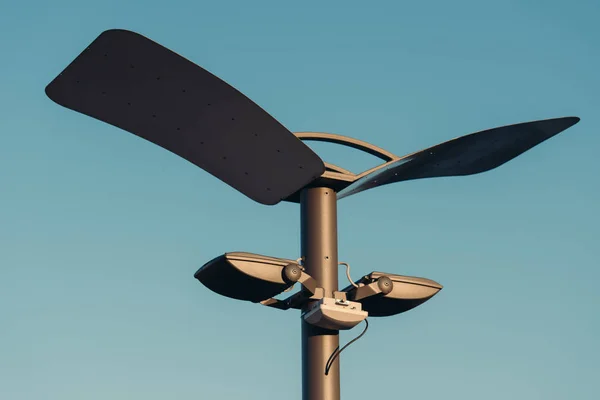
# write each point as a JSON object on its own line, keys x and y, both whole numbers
{"x": 319, "y": 248}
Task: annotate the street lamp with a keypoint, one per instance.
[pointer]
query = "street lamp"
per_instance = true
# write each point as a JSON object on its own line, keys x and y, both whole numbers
{"x": 135, "y": 84}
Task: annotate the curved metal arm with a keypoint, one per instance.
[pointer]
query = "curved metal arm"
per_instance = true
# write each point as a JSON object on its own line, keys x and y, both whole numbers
{"x": 347, "y": 141}
{"x": 336, "y": 168}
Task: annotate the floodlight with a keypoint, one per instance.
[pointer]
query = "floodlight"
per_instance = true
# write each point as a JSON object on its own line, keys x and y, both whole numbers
{"x": 383, "y": 294}
{"x": 247, "y": 276}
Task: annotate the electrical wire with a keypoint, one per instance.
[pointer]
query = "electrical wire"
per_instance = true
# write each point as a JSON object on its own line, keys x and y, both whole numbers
{"x": 348, "y": 273}
{"x": 337, "y": 352}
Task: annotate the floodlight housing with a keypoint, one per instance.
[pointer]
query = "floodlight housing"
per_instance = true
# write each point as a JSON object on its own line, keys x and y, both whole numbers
{"x": 246, "y": 276}
{"x": 404, "y": 293}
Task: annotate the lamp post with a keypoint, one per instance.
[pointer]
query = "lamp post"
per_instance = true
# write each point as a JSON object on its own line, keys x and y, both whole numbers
{"x": 319, "y": 249}
{"x": 135, "y": 84}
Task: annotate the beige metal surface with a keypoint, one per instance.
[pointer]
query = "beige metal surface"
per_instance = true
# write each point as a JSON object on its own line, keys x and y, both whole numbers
{"x": 319, "y": 248}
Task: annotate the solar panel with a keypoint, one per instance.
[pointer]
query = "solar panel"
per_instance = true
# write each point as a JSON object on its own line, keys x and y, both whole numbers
{"x": 466, "y": 155}
{"x": 133, "y": 83}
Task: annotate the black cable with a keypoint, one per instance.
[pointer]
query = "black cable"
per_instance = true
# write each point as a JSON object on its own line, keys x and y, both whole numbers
{"x": 337, "y": 352}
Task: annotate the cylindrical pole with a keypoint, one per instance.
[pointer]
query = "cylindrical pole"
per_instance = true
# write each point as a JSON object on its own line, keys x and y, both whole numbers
{"x": 319, "y": 249}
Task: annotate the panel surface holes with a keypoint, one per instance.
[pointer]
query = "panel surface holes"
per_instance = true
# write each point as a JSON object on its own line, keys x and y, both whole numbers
{"x": 245, "y": 173}
{"x": 158, "y": 78}
{"x": 128, "y": 103}
{"x": 178, "y": 129}
{"x": 103, "y": 93}
{"x": 183, "y": 90}
{"x": 224, "y": 157}
{"x": 268, "y": 189}
{"x": 131, "y": 66}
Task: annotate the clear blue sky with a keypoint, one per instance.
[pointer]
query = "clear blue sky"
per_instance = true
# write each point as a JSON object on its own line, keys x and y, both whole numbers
{"x": 101, "y": 232}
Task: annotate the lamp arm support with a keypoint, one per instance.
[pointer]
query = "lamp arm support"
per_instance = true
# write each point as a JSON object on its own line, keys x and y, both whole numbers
{"x": 309, "y": 291}
{"x": 382, "y": 285}
{"x": 295, "y": 301}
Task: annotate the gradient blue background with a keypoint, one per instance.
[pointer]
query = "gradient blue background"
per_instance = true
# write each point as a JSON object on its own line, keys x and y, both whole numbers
{"x": 101, "y": 232}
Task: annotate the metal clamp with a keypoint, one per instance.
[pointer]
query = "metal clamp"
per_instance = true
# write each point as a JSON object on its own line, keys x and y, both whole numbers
{"x": 293, "y": 273}
{"x": 383, "y": 285}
